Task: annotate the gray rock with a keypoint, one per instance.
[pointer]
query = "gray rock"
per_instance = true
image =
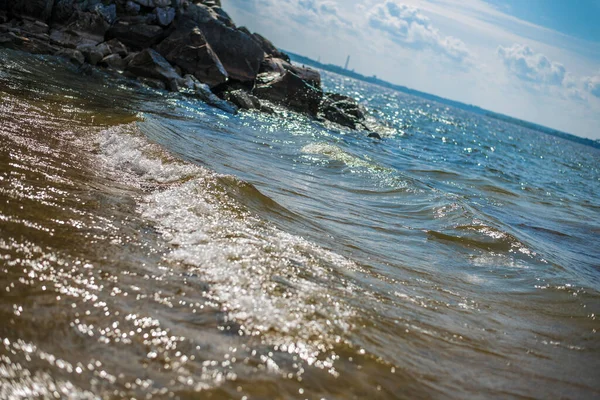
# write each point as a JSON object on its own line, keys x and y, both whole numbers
{"x": 243, "y": 99}
{"x": 104, "y": 48}
{"x": 32, "y": 45}
{"x": 153, "y": 83}
{"x": 34, "y": 26}
{"x": 132, "y": 8}
{"x": 72, "y": 55}
{"x": 136, "y": 36}
{"x": 92, "y": 56}
{"x": 117, "y": 47}
{"x": 188, "y": 49}
{"x": 289, "y": 89}
{"x": 148, "y": 63}
{"x": 82, "y": 28}
{"x": 39, "y": 9}
{"x": 240, "y": 55}
{"x": 342, "y": 110}
{"x": 164, "y": 16}
{"x": 113, "y": 61}
{"x": 63, "y": 10}
{"x": 109, "y": 13}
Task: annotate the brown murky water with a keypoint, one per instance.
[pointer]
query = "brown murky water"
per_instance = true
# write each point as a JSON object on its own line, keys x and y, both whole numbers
{"x": 135, "y": 264}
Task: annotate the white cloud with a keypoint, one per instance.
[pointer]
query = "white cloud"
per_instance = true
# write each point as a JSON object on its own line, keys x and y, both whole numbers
{"x": 407, "y": 26}
{"x": 530, "y": 66}
{"x": 592, "y": 85}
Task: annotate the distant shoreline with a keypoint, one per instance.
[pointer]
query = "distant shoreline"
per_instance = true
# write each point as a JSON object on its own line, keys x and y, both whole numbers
{"x": 467, "y": 107}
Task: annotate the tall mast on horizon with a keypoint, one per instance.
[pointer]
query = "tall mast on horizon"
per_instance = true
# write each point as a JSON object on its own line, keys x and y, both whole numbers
{"x": 347, "y": 62}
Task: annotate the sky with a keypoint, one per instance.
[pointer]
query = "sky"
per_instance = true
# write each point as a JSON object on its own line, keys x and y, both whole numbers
{"x": 537, "y": 60}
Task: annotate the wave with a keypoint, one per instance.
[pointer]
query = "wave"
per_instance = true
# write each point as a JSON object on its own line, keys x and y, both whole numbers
{"x": 271, "y": 283}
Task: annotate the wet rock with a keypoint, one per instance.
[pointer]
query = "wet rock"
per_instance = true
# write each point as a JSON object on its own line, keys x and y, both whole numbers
{"x": 62, "y": 11}
{"x": 240, "y": 55}
{"x": 136, "y": 36}
{"x": 289, "y": 89}
{"x": 153, "y": 83}
{"x": 75, "y": 56}
{"x": 188, "y": 49}
{"x": 91, "y": 54}
{"x": 117, "y": 47}
{"x": 154, "y": 3}
{"x": 194, "y": 88}
{"x": 149, "y": 63}
{"x": 32, "y": 45}
{"x": 132, "y": 8}
{"x": 39, "y": 9}
{"x": 164, "y": 16}
{"x": 113, "y": 61}
{"x": 342, "y": 110}
{"x": 104, "y": 48}
{"x": 243, "y": 99}
{"x": 81, "y": 29}
{"x": 374, "y": 135}
{"x": 34, "y": 26}
{"x": 268, "y": 47}
{"x": 109, "y": 12}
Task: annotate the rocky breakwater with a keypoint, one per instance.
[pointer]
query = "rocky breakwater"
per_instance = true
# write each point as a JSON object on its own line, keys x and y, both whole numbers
{"x": 177, "y": 45}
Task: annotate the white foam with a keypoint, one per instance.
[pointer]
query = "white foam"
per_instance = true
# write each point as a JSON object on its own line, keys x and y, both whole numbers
{"x": 270, "y": 282}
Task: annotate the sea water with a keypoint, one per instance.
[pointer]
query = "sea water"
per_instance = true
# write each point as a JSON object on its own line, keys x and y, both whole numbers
{"x": 154, "y": 247}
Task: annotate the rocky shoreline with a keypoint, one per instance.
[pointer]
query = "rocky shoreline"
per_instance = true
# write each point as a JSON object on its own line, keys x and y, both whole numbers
{"x": 176, "y": 45}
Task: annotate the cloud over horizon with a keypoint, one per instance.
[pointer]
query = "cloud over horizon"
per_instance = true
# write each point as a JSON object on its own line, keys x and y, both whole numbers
{"x": 407, "y": 26}
{"x": 527, "y": 65}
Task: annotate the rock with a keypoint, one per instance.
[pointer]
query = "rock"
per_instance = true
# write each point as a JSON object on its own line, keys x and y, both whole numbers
{"x": 193, "y": 87}
{"x": 240, "y": 55}
{"x": 132, "y": 8}
{"x": 269, "y": 48}
{"x": 39, "y": 9}
{"x": 271, "y": 64}
{"x": 342, "y": 110}
{"x": 153, "y": 83}
{"x": 243, "y": 99}
{"x": 62, "y": 11}
{"x": 117, "y": 47}
{"x": 374, "y": 135}
{"x": 32, "y": 45}
{"x": 154, "y": 3}
{"x": 34, "y": 26}
{"x": 81, "y": 29}
{"x": 104, "y": 48}
{"x": 289, "y": 89}
{"x": 91, "y": 54}
{"x": 137, "y": 36}
{"x": 164, "y": 16}
{"x": 75, "y": 56}
{"x": 188, "y": 49}
{"x": 148, "y": 63}
{"x": 222, "y": 16}
{"x": 109, "y": 13}
{"x": 113, "y": 61}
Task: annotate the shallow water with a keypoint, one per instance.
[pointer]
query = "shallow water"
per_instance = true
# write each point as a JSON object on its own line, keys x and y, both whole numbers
{"x": 154, "y": 247}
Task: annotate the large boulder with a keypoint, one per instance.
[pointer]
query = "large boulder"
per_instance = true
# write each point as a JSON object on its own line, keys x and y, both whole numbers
{"x": 342, "y": 110}
{"x": 289, "y": 89}
{"x": 136, "y": 35}
{"x": 62, "y": 11}
{"x": 83, "y": 28}
{"x": 267, "y": 46}
{"x": 188, "y": 49}
{"x": 148, "y": 63}
{"x": 39, "y": 9}
{"x": 239, "y": 53}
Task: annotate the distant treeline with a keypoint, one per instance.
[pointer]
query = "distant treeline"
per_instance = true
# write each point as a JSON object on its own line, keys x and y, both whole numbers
{"x": 468, "y": 107}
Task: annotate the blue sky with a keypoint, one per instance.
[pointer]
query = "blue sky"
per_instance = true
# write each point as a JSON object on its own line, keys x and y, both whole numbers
{"x": 538, "y": 60}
